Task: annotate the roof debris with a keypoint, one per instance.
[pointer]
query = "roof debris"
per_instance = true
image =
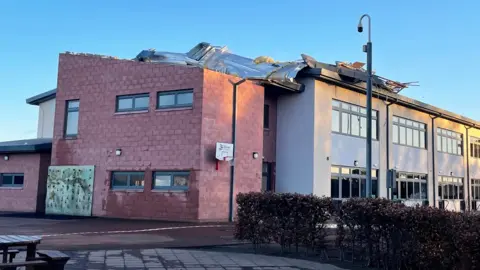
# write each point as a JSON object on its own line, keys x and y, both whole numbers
{"x": 264, "y": 68}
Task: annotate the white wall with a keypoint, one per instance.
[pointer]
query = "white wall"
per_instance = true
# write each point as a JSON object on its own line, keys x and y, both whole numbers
{"x": 347, "y": 149}
{"x": 410, "y": 159}
{"x": 46, "y": 115}
{"x": 294, "y": 168}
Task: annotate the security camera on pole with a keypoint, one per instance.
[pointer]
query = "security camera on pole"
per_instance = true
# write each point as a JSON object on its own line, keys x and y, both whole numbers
{"x": 368, "y": 49}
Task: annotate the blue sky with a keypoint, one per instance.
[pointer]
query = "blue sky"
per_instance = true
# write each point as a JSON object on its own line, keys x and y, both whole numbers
{"x": 434, "y": 42}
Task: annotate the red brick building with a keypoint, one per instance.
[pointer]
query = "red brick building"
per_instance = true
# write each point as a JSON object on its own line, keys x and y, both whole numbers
{"x": 149, "y": 131}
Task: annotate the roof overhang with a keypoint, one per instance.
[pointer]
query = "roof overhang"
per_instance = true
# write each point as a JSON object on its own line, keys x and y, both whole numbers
{"x": 43, "y": 97}
{"x": 335, "y": 78}
{"x": 26, "y": 146}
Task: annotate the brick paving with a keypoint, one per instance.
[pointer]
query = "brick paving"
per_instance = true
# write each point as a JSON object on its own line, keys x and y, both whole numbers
{"x": 170, "y": 259}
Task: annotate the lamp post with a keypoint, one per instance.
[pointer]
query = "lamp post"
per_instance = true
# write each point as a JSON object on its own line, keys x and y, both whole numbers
{"x": 368, "y": 49}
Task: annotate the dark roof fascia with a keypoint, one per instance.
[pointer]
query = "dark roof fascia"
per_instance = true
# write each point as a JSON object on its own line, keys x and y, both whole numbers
{"x": 333, "y": 77}
{"x": 29, "y": 148}
{"x": 43, "y": 97}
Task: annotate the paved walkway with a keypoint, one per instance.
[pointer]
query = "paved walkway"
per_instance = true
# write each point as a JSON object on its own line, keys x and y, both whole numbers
{"x": 183, "y": 260}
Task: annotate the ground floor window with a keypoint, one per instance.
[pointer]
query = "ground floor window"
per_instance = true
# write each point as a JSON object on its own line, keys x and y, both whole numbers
{"x": 475, "y": 189}
{"x": 411, "y": 186}
{"x": 171, "y": 180}
{"x": 11, "y": 180}
{"x": 128, "y": 180}
{"x": 350, "y": 182}
{"x": 450, "y": 188}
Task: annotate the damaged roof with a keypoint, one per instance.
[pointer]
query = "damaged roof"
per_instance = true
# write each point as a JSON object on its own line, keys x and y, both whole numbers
{"x": 262, "y": 68}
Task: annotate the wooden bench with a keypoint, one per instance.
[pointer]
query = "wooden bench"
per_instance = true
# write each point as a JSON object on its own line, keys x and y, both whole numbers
{"x": 12, "y": 252}
{"x": 29, "y": 264}
{"x": 46, "y": 260}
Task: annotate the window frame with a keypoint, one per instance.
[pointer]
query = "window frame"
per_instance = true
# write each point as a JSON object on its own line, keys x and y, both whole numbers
{"x": 266, "y": 116}
{"x": 128, "y": 186}
{"x": 440, "y": 135}
{"x": 172, "y": 175}
{"x": 475, "y": 189}
{"x": 459, "y": 183}
{"x": 351, "y": 113}
{"x": 175, "y": 93}
{"x": 133, "y": 97}
{"x": 474, "y": 143}
{"x": 413, "y": 180}
{"x": 69, "y": 110}
{"x": 13, "y": 185}
{"x": 340, "y": 175}
{"x": 396, "y": 125}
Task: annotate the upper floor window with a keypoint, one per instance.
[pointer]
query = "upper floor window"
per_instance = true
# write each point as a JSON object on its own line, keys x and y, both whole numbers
{"x": 175, "y": 99}
{"x": 170, "y": 180}
{"x": 450, "y": 188}
{"x": 352, "y": 119}
{"x": 351, "y": 182}
{"x": 408, "y": 132}
{"x": 11, "y": 180}
{"x": 128, "y": 180}
{"x": 129, "y": 103}
{"x": 266, "y": 116}
{"x": 71, "y": 119}
{"x": 411, "y": 186}
{"x": 474, "y": 147}
{"x": 449, "y": 141}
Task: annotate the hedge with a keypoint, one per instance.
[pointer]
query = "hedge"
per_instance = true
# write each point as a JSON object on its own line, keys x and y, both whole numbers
{"x": 379, "y": 232}
{"x": 287, "y": 219}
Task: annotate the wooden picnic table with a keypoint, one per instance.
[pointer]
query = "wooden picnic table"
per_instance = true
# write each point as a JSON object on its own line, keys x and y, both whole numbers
{"x": 31, "y": 242}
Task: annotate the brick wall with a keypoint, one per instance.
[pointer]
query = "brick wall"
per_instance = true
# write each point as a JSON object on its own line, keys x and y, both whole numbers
{"x": 155, "y": 140}
{"x": 23, "y": 199}
{"x": 217, "y": 127}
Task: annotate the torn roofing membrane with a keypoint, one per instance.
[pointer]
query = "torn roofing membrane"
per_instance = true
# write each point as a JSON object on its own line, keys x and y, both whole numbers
{"x": 263, "y": 69}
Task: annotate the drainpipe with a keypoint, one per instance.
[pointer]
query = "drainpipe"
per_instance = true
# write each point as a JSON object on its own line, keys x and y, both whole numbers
{"x": 468, "y": 193}
{"x": 434, "y": 151}
{"x": 234, "y": 136}
{"x": 390, "y": 184}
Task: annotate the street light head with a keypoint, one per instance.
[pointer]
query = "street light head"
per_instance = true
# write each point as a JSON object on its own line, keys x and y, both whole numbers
{"x": 360, "y": 27}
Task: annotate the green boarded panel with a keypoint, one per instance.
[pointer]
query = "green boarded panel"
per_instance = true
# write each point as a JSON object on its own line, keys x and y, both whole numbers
{"x": 70, "y": 190}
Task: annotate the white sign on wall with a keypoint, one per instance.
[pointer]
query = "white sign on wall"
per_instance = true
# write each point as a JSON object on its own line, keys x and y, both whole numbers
{"x": 224, "y": 151}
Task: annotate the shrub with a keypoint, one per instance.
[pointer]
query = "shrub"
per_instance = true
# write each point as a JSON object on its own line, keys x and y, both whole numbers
{"x": 286, "y": 219}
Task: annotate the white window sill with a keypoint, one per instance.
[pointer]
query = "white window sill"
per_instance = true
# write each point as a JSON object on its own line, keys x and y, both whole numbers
{"x": 131, "y": 112}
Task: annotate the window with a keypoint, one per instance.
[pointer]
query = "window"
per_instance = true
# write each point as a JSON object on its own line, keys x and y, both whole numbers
{"x": 409, "y": 133}
{"x": 352, "y": 119}
{"x": 474, "y": 147}
{"x": 128, "y": 180}
{"x": 450, "y": 188}
{"x": 411, "y": 186}
{"x": 175, "y": 99}
{"x": 171, "y": 180}
{"x": 11, "y": 180}
{"x": 351, "y": 182}
{"x": 475, "y": 189}
{"x": 449, "y": 142}
{"x": 71, "y": 121}
{"x": 130, "y": 103}
{"x": 266, "y": 116}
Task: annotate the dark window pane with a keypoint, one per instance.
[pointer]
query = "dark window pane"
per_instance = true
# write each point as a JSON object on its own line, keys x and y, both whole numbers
{"x": 375, "y": 188}
{"x": 440, "y": 192}
{"x": 424, "y": 191}
{"x": 162, "y": 180}
{"x": 18, "y": 180}
{"x": 125, "y": 104}
{"x": 7, "y": 180}
{"x": 451, "y": 191}
{"x": 345, "y": 188}
{"x": 410, "y": 190}
{"x": 185, "y": 98}
{"x": 141, "y": 102}
{"x": 460, "y": 192}
{"x": 180, "y": 180}
{"x": 355, "y": 187}
{"x": 363, "y": 187}
{"x": 72, "y": 123}
{"x": 403, "y": 190}
{"x": 120, "y": 180}
{"x": 471, "y": 150}
{"x": 416, "y": 191}
{"x": 166, "y": 100}
{"x": 266, "y": 116}
{"x": 137, "y": 180}
{"x": 334, "y": 189}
